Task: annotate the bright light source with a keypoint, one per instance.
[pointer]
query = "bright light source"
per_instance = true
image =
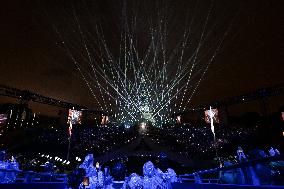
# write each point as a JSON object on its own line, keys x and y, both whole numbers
{"x": 126, "y": 126}
{"x": 151, "y": 85}
{"x": 97, "y": 165}
{"x": 178, "y": 119}
{"x": 143, "y": 125}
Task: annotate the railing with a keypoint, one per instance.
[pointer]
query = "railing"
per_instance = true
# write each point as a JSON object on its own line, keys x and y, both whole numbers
{"x": 246, "y": 173}
{"x": 18, "y": 176}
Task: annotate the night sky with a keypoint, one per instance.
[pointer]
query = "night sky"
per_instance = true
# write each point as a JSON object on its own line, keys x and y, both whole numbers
{"x": 251, "y": 58}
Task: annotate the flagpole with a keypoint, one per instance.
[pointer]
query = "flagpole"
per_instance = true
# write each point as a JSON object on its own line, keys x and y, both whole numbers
{"x": 68, "y": 152}
{"x": 69, "y": 140}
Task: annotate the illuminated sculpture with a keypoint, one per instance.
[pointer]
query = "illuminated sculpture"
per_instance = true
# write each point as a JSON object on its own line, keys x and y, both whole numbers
{"x": 249, "y": 171}
{"x": 171, "y": 177}
{"x": 12, "y": 165}
{"x": 133, "y": 182}
{"x": 107, "y": 179}
{"x": 273, "y": 152}
{"x": 95, "y": 178}
{"x": 241, "y": 155}
{"x": 152, "y": 178}
{"x": 8, "y": 177}
{"x": 88, "y": 166}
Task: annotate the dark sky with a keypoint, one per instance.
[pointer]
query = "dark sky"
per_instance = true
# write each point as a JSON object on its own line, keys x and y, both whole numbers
{"x": 251, "y": 58}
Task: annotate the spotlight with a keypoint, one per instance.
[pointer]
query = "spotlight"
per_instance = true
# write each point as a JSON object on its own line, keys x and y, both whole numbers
{"x": 143, "y": 126}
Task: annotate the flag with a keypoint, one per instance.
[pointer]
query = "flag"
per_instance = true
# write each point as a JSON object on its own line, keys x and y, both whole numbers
{"x": 211, "y": 114}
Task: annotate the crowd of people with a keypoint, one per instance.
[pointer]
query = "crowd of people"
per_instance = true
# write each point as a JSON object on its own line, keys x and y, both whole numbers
{"x": 96, "y": 139}
{"x": 188, "y": 140}
{"x": 197, "y": 142}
